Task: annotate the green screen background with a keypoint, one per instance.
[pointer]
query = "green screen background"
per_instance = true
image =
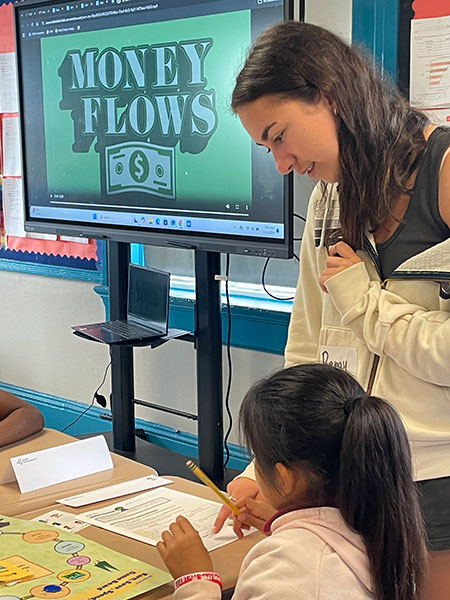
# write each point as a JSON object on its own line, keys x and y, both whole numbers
{"x": 228, "y": 152}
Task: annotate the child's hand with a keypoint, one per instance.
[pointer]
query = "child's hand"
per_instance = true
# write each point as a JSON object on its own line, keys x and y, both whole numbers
{"x": 240, "y": 488}
{"x": 182, "y": 549}
{"x": 253, "y": 513}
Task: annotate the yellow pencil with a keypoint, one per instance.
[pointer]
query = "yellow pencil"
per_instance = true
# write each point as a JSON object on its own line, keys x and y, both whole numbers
{"x": 207, "y": 481}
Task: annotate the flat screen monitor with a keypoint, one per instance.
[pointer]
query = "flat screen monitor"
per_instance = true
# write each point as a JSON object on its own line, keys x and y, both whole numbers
{"x": 127, "y": 131}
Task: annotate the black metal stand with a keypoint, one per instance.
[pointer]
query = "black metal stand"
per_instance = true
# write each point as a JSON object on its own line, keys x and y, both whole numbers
{"x": 122, "y": 380}
{"x": 208, "y": 344}
{"x": 208, "y": 336}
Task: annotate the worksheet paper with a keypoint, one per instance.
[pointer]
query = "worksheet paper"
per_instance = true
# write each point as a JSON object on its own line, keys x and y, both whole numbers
{"x": 114, "y": 491}
{"x": 146, "y": 516}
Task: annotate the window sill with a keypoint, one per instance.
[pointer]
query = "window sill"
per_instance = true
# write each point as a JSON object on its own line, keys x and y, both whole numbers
{"x": 258, "y": 322}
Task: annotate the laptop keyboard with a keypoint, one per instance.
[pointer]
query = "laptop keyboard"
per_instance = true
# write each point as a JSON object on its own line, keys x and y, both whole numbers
{"x": 127, "y": 329}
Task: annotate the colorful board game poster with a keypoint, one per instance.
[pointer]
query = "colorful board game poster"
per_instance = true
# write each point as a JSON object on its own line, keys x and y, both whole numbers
{"x": 40, "y": 561}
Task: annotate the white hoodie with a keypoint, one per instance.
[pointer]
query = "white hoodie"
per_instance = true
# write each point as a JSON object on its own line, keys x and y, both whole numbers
{"x": 312, "y": 554}
{"x": 393, "y": 335}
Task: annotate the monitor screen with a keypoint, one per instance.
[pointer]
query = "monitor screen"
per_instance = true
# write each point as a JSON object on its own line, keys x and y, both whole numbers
{"x": 127, "y": 128}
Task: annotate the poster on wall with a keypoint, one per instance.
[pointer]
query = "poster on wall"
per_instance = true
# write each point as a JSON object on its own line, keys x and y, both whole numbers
{"x": 430, "y": 59}
{"x": 16, "y": 244}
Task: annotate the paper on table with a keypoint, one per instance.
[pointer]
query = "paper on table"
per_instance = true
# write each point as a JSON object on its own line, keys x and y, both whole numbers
{"x": 63, "y": 520}
{"x": 146, "y": 516}
{"x": 72, "y": 566}
{"x": 46, "y": 467}
{"x": 114, "y": 491}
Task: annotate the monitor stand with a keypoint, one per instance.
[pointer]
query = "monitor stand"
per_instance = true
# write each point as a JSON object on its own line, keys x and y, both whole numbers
{"x": 208, "y": 345}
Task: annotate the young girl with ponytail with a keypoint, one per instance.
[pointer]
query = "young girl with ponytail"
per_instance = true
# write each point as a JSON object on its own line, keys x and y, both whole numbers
{"x": 334, "y": 466}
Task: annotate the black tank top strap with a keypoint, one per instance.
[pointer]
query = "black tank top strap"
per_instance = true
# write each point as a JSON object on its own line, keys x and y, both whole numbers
{"x": 426, "y": 186}
{"x": 422, "y": 226}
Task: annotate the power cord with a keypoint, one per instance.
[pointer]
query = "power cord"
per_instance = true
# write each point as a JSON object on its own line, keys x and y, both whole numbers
{"x": 230, "y": 364}
{"x": 263, "y": 283}
{"x": 228, "y": 344}
{"x": 301, "y": 217}
{"x": 96, "y": 396}
{"x": 263, "y": 276}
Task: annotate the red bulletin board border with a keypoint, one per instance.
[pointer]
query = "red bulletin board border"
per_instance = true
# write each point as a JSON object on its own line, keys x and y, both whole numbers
{"x": 53, "y": 247}
{"x": 426, "y": 9}
{"x": 7, "y": 43}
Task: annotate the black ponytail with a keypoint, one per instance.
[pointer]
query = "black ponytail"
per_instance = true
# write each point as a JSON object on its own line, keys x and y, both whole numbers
{"x": 354, "y": 451}
{"x": 378, "y": 498}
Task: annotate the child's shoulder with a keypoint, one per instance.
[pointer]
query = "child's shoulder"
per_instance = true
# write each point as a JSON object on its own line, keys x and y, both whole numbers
{"x": 290, "y": 545}
{"x": 287, "y": 562}
{"x": 313, "y": 549}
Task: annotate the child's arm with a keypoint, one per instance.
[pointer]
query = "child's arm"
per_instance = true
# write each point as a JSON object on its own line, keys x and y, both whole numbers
{"x": 184, "y": 554}
{"x": 18, "y": 419}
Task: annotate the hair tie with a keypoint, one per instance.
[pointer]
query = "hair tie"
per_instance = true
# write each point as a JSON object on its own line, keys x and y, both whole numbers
{"x": 349, "y": 404}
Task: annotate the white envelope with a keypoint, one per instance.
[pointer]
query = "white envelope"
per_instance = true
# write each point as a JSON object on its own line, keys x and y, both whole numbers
{"x": 62, "y": 463}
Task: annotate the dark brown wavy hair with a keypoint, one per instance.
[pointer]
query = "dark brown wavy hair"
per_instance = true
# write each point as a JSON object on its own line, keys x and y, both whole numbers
{"x": 380, "y": 135}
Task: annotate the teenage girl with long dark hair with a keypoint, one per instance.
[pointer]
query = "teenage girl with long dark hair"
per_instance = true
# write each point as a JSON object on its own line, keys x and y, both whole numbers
{"x": 377, "y": 300}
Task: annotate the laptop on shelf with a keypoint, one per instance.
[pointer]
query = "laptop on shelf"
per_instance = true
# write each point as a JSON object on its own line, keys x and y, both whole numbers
{"x": 147, "y": 311}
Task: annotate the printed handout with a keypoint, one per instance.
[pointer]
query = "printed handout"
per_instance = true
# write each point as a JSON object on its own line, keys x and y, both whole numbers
{"x": 146, "y": 516}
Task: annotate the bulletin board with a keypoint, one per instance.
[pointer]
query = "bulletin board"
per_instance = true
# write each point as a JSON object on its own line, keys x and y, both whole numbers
{"x": 20, "y": 250}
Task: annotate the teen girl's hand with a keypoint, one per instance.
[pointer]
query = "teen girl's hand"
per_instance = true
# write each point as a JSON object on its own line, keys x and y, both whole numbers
{"x": 253, "y": 513}
{"x": 182, "y": 549}
{"x": 242, "y": 487}
{"x": 340, "y": 257}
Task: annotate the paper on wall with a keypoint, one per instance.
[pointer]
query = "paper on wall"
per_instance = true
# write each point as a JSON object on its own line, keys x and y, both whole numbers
{"x": 439, "y": 116}
{"x": 13, "y": 206}
{"x": 11, "y": 147}
{"x": 430, "y": 62}
{"x": 8, "y": 83}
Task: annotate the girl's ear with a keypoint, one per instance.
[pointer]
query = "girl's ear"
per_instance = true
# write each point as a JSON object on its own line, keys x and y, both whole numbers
{"x": 288, "y": 479}
{"x": 292, "y": 482}
{"x": 331, "y": 103}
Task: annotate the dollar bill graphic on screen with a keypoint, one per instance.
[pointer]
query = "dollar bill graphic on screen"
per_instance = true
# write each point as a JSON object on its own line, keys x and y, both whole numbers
{"x": 140, "y": 167}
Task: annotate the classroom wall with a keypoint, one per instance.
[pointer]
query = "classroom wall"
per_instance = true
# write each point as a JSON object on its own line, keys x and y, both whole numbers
{"x": 39, "y": 352}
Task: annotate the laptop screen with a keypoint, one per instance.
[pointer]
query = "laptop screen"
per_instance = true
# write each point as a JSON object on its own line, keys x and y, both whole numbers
{"x": 148, "y": 296}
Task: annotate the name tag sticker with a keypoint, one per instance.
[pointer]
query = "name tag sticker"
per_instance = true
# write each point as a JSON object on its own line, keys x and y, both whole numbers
{"x": 344, "y": 357}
